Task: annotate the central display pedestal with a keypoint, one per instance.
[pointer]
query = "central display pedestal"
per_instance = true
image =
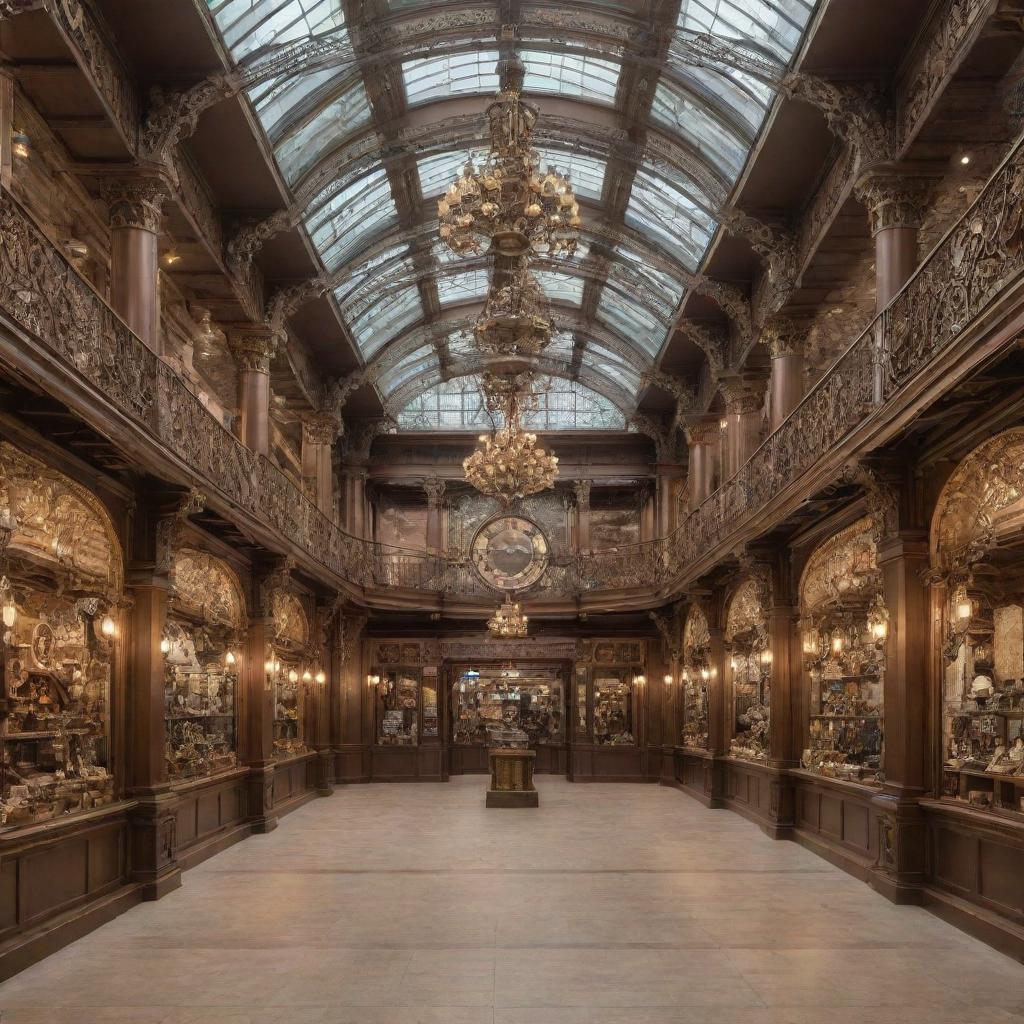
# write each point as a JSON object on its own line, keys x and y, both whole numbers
{"x": 512, "y": 778}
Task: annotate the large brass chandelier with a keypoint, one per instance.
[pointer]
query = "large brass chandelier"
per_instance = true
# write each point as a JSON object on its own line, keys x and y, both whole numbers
{"x": 510, "y": 464}
{"x": 509, "y": 205}
{"x": 515, "y": 321}
{"x": 508, "y": 620}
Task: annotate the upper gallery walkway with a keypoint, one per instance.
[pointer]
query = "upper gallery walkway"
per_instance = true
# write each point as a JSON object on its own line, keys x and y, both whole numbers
{"x": 609, "y": 904}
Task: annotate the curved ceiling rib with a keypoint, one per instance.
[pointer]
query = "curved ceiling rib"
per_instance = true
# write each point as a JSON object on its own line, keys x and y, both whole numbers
{"x": 653, "y": 115}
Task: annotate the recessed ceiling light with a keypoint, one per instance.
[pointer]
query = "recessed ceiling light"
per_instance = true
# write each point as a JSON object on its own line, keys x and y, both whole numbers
{"x": 965, "y": 159}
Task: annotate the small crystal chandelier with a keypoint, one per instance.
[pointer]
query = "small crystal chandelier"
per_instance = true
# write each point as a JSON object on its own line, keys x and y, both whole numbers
{"x": 508, "y": 204}
{"x": 510, "y": 465}
{"x": 508, "y": 620}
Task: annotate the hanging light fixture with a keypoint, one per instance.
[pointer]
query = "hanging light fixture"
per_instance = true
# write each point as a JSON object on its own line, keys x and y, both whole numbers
{"x": 514, "y": 326}
{"x": 7, "y": 603}
{"x": 510, "y": 464}
{"x": 509, "y": 204}
{"x": 507, "y": 621}
{"x": 321, "y": 677}
{"x": 230, "y": 658}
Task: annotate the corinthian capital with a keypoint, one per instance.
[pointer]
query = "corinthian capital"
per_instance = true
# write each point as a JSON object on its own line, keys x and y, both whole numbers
{"x": 136, "y": 202}
{"x": 893, "y": 198}
{"x": 253, "y": 346}
{"x": 786, "y": 335}
{"x": 321, "y": 428}
{"x": 582, "y": 489}
{"x": 741, "y": 396}
{"x": 434, "y": 488}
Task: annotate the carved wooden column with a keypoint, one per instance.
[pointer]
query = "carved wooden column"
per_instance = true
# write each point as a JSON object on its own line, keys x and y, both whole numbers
{"x": 645, "y": 492}
{"x": 136, "y": 211}
{"x": 744, "y": 400}
{"x": 319, "y": 432}
{"x": 895, "y": 202}
{"x": 156, "y": 534}
{"x": 323, "y": 697}
{"x": 256, "y": 696}
{"x": 666, "y": 497}
{"x": 355, "y": 491}
{"x": 703, "y": 439}
{"x": 582, "y": 489}
{"x": 434, "y": 489}
{"x": 6, "y": 127}
{"x": 351, "y": 757}
{"x": 786, "y": 338}
{"x": 253, "y": 347}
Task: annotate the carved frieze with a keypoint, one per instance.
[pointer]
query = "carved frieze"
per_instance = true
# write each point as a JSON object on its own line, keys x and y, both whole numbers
{"x": 206, "y": 588}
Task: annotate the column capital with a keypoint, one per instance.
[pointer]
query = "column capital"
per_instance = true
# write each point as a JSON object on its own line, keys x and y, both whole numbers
{"x": 741, "y": 395}
{"x": 253, "y": 345}
{"x": 702, "y": 432}
{"x": 895, "y": 197}
{"x": 582, "y": 491}
{"x": 434, "y": 488}
{"x": 321, "y": 428}
{"x": 786, "y": 334}
{"x": 136, "y": 199}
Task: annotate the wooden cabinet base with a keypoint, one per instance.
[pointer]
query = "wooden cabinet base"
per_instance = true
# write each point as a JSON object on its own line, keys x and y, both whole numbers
{"x": 498, "y": 798}
{"x": 512, "y": 778}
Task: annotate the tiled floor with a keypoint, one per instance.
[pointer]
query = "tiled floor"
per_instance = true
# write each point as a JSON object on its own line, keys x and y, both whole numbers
{"x": 608, "y": 905}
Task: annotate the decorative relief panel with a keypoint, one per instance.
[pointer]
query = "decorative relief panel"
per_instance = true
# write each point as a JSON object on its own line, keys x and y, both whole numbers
{"x": 205, "y": 588}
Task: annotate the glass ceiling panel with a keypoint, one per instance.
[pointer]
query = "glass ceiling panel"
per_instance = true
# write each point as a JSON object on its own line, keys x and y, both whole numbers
{"x": 437, "y": 172}
{"x": 722, "y": 148}
{"x": 562, "y": 405}
{"x": 380, "y": 322}
{"x": 561, "y": 287}
{"x": 302, "y": 149}
{"x": 663, "y": 213}
{"x": 363, "y": 271}
{"x": 775, "y": 25}
{"x": 357, "y": 210}
{"x": 585, "y": 172}
{"x": 413, "y": 365}
{"x": 467, "y": 287}
{"x": 570, "y": 74}
{"x": 357, "y": 300}
{"x": 668, "y": 287}
{"x": 248, "y": 25}
{"x": 637, "y": 325}
{"x": 453, "y": 74}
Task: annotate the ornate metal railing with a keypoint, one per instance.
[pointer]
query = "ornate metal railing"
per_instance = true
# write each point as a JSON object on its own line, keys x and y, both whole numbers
{"x": 977, "y": 261}
{"x": 44, "y": 298}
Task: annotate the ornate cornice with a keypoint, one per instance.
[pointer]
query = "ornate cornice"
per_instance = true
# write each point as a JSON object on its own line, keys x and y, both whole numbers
{"x": 710, "y": 339}
{"x": 742, "y": 396}
{"x": 706, "y": 432}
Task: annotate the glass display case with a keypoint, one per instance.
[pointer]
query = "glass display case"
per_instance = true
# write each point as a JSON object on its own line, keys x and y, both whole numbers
{"x": 397, "y": 706}
{"x": 749, "y": 662}
{"x": 289, "y": 707}
{"x": 507, "y": 705}
{"x": 696, "y": 679}
{"x": 983, "y": 700}
{"x": 614, "y": 711}
{"x": 56, "y": 706}
{"x": 200, "y": 683}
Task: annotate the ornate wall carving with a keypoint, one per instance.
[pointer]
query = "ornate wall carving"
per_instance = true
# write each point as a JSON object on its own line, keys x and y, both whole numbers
{"x": 206, "y": 588}
{"x": 845, "y": 565}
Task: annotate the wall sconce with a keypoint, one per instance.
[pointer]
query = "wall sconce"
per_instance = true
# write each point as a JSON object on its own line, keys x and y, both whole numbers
{"x": 230, "y": 659}
{"x": 165, "y": 645}
{"x": 373, "y": 680}
{"x": 705, "y": 674}
{"x": 321, "y": 677}
{"x": 108, "y": 627}
{"x": 171, "y": 257}
{"x": 964, "y": 605}
{"x": 10, "y": 609}
{"x": 640, "y": 680}
{"x": 733, "y": 664}
{"x": 21, "y": 145}
{"x": 686, "y": 675}
{"x": 293, "y": 676}
{"x": 668, "y": 680}
{"x": 766, "y": 657}
{"x": 723, "y": 424}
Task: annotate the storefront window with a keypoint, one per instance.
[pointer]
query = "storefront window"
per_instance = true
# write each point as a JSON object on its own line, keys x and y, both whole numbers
{"x": 509, "y": 704}
{"x": 398, "y": 701}
{"x": 613, "y": 707}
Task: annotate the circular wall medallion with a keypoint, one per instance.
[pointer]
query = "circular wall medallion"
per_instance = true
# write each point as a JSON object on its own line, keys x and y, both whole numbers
{"x": 510, "y": 553}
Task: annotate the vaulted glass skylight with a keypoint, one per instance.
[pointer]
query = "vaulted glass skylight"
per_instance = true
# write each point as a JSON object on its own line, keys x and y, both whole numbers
{"x": 632, "y": 321}
{"x": 663, "y": 213}
{"x": 453, "y": 74}
{"x": 585, "y": 172}
{"x": 466, "y": 287}
{"x": 381, "y": 321}
{"x": 304, "y": 146}
{"x": 562, "y": 405}
{"x": 356, "y": 211}
{"x": 437, "y": 171}
{"x": 773, "y": 25}
{"x": 570, "y": 74}
{"x": 561, "y": 287}
{"x": 249, "y": 25}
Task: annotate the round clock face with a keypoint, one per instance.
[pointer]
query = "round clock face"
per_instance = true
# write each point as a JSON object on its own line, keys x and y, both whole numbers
{"x": 510, "y": 553}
